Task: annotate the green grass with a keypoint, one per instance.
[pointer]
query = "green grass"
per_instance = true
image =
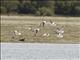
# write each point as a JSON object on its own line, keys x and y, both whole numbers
{"x": 8, "y": 25}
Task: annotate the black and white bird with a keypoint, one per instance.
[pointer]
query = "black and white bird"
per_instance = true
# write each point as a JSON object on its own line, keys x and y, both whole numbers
{"x": 36, "y": 30}
{"x": 43, "y": 23}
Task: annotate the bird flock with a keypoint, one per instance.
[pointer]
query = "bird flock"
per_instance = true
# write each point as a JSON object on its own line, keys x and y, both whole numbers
{"x": 59, "y": 30}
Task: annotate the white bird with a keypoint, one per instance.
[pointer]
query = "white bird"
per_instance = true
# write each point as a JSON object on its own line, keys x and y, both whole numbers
{"x": 17, "y": 33}
{"x": 29, "y": 28}
{"x": 62, "y": 31}
{"x": 46, "y": 34}
{"x": 45, "y": 22}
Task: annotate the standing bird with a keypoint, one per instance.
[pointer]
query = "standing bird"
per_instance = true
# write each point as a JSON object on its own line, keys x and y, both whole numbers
{"x": 60, "y": 32}
{"x": 36, "y": 30}
{"x": 43, "y": 23}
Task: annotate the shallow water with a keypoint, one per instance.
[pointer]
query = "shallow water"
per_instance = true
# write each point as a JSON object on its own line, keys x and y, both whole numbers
{"x": 37, "y": 51}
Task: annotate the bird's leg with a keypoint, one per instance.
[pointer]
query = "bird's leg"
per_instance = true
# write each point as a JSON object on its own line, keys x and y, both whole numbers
{"x": 43, "y": 24}
{"x": 35, "y": 34}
